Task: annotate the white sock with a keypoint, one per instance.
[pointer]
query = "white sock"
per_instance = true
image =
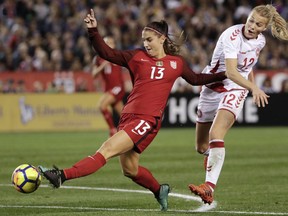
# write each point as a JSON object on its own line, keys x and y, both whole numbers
{"x": 215, "y": 161}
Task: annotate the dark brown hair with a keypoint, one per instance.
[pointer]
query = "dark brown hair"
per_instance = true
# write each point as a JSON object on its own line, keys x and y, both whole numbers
{"x": 161, "y": 28}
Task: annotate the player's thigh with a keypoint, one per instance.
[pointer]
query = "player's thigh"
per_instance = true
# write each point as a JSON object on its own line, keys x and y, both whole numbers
{"x": 116, "y": 145}
{"x": 222, "y": 123}
{"x": 229, "y": 109}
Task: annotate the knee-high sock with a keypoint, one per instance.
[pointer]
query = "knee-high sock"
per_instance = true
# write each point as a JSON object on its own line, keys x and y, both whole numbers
{"x": 145, "y": 178}
{"x": 215, "y": 162}
{"x": 85, "y": 166}
{"x": 109, "y": 119}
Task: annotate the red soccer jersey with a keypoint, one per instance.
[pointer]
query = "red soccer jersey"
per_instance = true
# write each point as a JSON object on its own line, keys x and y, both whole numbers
{"x": 152, "y": 78}
{"x": 111, "y": 74}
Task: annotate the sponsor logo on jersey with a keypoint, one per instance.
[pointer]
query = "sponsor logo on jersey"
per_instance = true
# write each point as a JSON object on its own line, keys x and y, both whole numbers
{"x": 134, "y": 132}
{"x": 240, "y": 99}
{"x": 234, "y": 34}
{"x": 199, "y": 113}
{"x": 159, "y": 63}
{"x": 209, "y": 168}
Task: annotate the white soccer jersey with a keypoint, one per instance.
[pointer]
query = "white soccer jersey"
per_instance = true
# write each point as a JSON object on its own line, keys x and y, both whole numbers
{"x": 233, "y": 44}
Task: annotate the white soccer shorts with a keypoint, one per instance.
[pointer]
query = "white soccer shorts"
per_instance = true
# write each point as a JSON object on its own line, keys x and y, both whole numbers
{"x": 211, "y": 101}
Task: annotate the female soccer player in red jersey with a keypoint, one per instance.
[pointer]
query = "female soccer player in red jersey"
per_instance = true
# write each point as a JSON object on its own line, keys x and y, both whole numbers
{"x": 114, "y": 86}
{"x": 153, "y": 72}
{"x": 236, "y": 52}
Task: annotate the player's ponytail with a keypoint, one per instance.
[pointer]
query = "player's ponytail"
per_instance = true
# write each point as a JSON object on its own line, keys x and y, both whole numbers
{"x": 276, "y": 22}
{"x": 171, "y": 47}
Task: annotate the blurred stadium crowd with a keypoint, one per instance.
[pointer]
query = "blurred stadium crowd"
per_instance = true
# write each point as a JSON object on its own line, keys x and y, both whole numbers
{"x": 44, "y": 35}
{"x": 49, "y": 35}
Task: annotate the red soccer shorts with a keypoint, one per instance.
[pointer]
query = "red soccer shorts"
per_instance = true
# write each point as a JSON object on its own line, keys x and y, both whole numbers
{"x": 142, "y": 129}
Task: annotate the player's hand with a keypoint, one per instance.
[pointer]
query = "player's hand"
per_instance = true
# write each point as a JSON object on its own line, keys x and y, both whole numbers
{"x": 90, "y": 20}
{"x": 259, "y": 97}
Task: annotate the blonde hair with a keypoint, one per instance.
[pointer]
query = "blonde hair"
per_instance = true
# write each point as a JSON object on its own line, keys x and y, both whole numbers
{"x": 275, "y": 21}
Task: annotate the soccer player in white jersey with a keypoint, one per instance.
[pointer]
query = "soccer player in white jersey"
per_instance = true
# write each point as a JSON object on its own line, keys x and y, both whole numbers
{"x": 236, "y": 52}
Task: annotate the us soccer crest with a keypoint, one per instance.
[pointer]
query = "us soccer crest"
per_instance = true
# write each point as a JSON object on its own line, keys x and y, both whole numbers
{"x": 173, "y": 64}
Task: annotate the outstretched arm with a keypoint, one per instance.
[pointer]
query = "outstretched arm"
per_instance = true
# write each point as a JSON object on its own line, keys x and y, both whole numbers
{"x": 200, "y": 79}
{"x": 103, "y": 50}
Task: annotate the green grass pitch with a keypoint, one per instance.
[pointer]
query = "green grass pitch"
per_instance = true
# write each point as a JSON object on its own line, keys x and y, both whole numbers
{"x": 254, "y": 179}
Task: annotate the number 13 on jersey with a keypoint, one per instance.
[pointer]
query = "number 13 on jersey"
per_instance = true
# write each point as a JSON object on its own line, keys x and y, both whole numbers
{"x": 157, "y": 73}
{"x": 141, "y": 128}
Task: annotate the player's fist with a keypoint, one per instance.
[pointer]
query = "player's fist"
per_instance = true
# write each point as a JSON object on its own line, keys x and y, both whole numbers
{"x": 90, "y": 20}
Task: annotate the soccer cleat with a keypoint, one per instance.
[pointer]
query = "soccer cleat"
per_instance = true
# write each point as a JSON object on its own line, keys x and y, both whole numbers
{"x": 162, "y": 198}
{"x": 204, "y": 191}
{"x": 52, "y": 175}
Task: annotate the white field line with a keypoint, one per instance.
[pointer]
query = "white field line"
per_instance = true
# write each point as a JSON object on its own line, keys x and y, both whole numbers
{"x": 140, "y": 210}
{"x": 202, "y": 208}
